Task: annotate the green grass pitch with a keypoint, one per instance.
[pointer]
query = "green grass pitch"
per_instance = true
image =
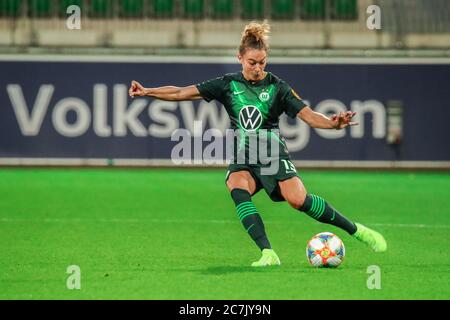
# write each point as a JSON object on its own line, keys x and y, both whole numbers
{"x": 174, "y": 234}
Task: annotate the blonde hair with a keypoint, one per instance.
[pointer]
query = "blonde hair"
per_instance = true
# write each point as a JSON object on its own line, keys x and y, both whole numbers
{"x": 255, "y": 36}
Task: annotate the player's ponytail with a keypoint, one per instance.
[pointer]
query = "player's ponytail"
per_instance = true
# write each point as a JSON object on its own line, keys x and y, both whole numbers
{"x": 255, "y": 36}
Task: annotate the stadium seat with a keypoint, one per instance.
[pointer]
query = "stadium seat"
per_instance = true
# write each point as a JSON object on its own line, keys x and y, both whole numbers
{"x": 282, "y": 9}
{"x": 252, "y": 9}
{"x": 131, "y": 8}
{"x": 163, "y": 8}
{"x": 101, "y": 8}
{"x": 312, "y": 9}
{"x": 10, "y": 8}
{"x": 193, "y": 9}
{"x": 64, "y": 4}
{"x": 40, "y": 8}
{"x": 222, "y": 9}
{"x": 344, "y": 10}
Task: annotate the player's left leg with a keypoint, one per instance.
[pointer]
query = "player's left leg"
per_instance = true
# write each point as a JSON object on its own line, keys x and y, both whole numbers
{"x": 242, "y": 185}
{"x": 314, "y": 206}
{"x": 317, "y": 208}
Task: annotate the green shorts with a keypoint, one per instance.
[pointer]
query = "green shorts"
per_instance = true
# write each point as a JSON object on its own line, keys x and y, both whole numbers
{"x": 266, "y": 178}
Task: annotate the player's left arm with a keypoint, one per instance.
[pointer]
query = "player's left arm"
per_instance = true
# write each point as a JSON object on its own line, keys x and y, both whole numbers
{"x": 321, "y": 121}
{"x": 296, "y": 107}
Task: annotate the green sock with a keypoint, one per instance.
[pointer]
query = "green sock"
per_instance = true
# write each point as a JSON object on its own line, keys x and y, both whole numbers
{"x": 250, "y": 218}
{"x": 317, "y": 208}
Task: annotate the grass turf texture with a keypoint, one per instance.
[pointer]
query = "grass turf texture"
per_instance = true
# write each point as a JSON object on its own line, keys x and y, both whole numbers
{"x": 174, "y": 234}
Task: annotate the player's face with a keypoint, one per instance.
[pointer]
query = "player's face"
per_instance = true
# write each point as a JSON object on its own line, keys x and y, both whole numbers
{"x": 253, "y": 63}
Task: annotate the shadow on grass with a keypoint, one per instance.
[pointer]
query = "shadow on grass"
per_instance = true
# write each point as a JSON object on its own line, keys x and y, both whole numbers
{"x": 229, "y": 270}
{"x": 222, "y": 270}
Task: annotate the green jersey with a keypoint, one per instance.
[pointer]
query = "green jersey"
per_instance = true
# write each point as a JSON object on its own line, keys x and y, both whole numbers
{"x": 254, "y": 108}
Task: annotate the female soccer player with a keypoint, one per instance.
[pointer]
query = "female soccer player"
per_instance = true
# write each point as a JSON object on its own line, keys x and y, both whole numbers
{"x": 254, "y": 100}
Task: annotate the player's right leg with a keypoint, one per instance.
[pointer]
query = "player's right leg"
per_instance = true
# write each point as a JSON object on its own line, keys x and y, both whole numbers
{"x": 242, "y": 185}
{"x": 319, "y": 209}
{"x": 370, "y": 237}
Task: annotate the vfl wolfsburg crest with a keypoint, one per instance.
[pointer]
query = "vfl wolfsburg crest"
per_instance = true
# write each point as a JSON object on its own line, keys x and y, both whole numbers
{"x": 250, "y": 118}
{"x": 264, "y": 96}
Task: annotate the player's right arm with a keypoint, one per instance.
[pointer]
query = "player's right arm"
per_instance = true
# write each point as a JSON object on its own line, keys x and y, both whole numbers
{"x": 168, "y": 93}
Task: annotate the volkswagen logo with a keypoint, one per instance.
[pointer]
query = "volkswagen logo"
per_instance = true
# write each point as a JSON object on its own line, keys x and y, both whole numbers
{"x": 250, "y": 118}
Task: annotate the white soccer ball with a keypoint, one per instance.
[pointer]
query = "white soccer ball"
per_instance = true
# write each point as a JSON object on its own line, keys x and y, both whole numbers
{"x": 325, "y": 249}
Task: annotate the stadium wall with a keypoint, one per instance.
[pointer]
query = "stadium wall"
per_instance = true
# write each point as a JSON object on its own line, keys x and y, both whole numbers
{"x": 75, "y": 110}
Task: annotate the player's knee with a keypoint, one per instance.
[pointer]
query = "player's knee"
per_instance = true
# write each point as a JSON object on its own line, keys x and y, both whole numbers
{"x": 235, "y": 183}
{"x": 295, "y": 203}
{"x": 230, "y": 185}
{"x": 296, "y": 200}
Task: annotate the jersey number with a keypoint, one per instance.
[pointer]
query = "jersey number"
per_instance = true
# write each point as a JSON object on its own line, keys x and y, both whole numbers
{"x": 289, "y": 166}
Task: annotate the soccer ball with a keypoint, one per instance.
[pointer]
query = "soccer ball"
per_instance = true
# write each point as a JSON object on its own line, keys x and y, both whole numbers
{"x": 325, "y": 249}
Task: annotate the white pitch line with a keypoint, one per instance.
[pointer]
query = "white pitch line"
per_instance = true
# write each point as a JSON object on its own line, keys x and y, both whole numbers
{"x": 187, "y": 221}
{"x": 405, "y": 225}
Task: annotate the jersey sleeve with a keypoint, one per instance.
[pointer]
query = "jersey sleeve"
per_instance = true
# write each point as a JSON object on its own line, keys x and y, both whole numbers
{"x": 291, "y": 101}
{"x": 212, "y": 89}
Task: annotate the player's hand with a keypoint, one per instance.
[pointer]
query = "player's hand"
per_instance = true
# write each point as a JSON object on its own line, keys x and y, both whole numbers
{"x": 343, "y": 119}
{"x": 136, "y": 89}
